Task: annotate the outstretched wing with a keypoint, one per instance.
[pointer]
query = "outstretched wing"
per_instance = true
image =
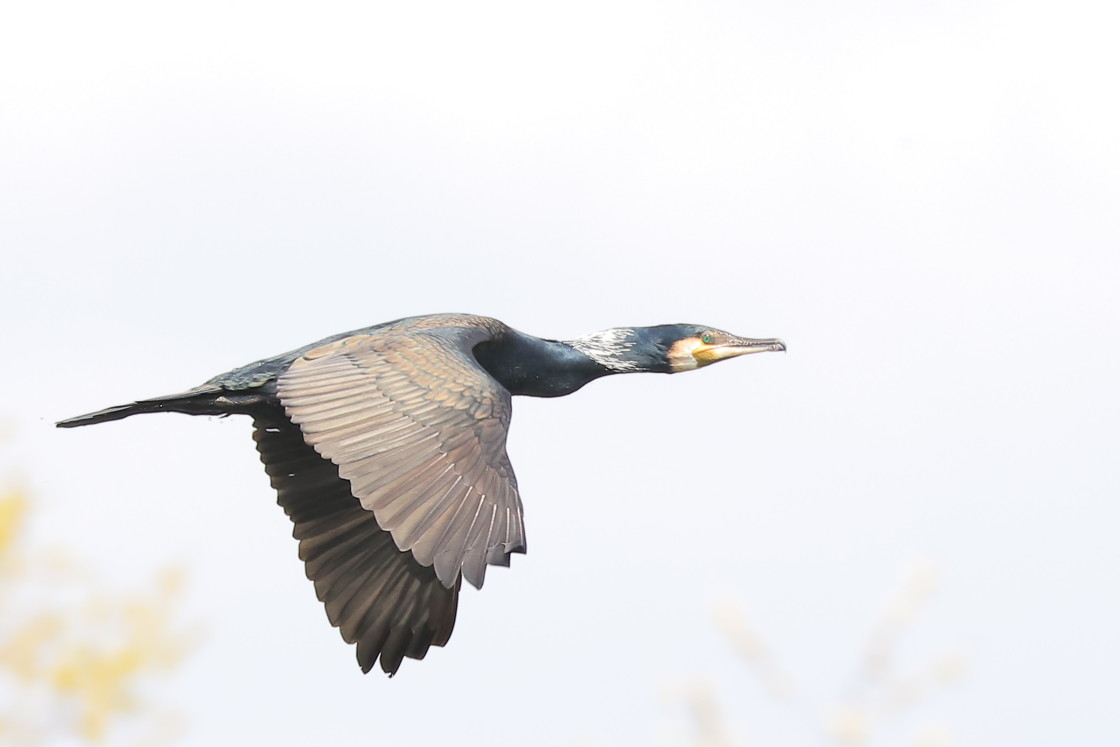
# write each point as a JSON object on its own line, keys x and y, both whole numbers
{"x": 418, "y": 429}
{"x": 379, "y": 596}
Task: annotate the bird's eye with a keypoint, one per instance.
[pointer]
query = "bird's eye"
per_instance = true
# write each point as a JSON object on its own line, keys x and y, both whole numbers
{"x": 706, "y": 338}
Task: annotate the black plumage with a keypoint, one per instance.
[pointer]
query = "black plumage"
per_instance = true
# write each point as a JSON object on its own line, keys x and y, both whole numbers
{"x": 386, "y": 447}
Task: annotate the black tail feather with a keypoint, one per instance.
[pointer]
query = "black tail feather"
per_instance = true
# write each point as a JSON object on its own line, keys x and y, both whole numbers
{"x": 109, "y": 413}
{"x": 204, "y": 402}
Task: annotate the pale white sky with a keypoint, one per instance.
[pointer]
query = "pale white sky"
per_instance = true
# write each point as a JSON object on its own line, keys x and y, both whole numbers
{"x": 922, "y": 201}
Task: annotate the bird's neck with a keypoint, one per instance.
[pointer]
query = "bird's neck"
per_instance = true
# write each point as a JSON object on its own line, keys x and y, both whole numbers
{"x": 530, "y": 366}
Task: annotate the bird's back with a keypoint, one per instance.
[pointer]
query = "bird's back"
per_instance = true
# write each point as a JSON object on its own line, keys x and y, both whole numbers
{"x": 261, "y": 372}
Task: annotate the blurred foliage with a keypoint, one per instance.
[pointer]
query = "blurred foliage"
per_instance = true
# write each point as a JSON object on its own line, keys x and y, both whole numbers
{"x": 882, "y": 693}
{"x": 79, "y": 662}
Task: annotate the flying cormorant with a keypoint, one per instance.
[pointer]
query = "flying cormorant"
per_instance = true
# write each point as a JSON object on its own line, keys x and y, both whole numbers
{"x": 387, "y": 447}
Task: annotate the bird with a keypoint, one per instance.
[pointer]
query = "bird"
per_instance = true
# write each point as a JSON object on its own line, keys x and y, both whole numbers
{"x": 387, "y": 449}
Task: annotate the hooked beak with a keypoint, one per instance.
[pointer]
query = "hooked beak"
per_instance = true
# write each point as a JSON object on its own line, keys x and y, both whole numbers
{"x": 733, "y": 347}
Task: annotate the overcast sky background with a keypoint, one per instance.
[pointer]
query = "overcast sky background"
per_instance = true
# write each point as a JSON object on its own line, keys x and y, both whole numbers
{"x": 923, "y": 200}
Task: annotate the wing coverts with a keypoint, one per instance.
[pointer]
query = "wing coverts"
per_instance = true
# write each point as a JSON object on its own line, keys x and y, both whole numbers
{"x": 418, "y": 429}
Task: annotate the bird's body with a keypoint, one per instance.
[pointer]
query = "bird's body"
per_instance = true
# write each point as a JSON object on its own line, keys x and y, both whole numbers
{"x": 386, "y": 446}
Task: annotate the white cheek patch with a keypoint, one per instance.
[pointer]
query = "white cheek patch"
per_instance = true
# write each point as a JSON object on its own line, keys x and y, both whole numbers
{"x": 680, "y": 355}
{"x": 608, "y": 348}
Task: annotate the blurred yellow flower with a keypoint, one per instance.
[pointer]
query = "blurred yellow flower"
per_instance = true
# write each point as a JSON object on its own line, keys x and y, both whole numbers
{"x": 849, "y": 725}
{"x": 13, "y": 506}
{"x": 876, "y": 697}
{"x": 77, "y": 668}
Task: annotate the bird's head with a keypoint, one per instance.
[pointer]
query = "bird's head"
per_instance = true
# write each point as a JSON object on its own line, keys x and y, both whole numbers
{"x": 689, "y": 346}
{"x": 668, "y": 348}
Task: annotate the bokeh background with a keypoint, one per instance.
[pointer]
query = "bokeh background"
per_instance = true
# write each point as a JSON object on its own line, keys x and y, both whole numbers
{"x": 903, "y": 531}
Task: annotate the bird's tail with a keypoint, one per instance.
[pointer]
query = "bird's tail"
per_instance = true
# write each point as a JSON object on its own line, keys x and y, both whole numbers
{"x": 195, "y": 402}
